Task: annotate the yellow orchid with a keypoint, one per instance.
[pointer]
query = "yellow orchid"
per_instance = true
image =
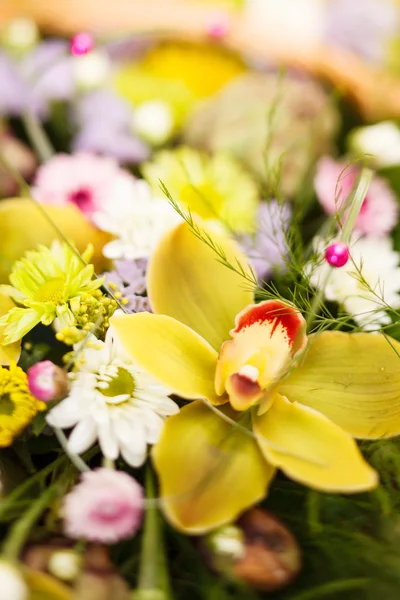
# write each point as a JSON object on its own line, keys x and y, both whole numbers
{"x": 264, "y": 396}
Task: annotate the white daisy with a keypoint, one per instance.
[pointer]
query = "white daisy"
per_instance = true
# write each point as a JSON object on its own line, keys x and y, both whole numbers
{"x": 138, "y": 225}
{"x": 114, "y": 401}
{"x": 367, "y": 285}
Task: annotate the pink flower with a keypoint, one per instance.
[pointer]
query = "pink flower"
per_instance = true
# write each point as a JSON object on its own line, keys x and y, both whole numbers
{"x": 47, "y": 382}
{"x": 333, "y": 183}
{"x": 106, "y": 506}
{"x": 93, "y": 183}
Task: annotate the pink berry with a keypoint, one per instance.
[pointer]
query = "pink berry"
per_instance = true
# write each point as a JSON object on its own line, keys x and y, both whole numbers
{"x": 337, "y": 254}
{"x": 81, "y": 44}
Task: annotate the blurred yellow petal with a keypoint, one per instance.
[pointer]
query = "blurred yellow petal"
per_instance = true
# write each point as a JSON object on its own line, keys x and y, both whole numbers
{"x": 10, "y": 352}
{"x": 187, "y": 282}
{"x": 171, "y": 352}
{"x": 23, "y": 226}
{"x": 44, "y": 587}
{"x": 353, "y": 379}
{"x": 310, "y": 449}
{"x": 209, "y": 470}
{"x": 266, "y": 339}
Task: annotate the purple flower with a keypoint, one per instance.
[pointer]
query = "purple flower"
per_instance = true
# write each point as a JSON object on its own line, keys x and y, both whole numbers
{"x": 362, "y": 26}
{"x": 267, "y": 249}
{"x": 129, "y": 278}
{"x": 43, "y": 75}
{"x": 105, "y": 121}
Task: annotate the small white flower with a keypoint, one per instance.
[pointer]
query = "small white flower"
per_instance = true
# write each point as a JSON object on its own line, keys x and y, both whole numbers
{"x": 367, "y": 285}
{"x": 381, "y": 140}
{"x": 20, "y": 35}
{"x": 91, "y": 70}
{"x": 13, "y": 586}
{"x": 153, "y": 121}
{"x": 114, "y": 401}
{"x": 138, "y": 225}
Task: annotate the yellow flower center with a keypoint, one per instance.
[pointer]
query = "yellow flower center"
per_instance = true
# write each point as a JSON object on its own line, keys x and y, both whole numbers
{"x": 51, "y": 291}
{"x": 17, "y": 407}
{"x": 122, "y": 384}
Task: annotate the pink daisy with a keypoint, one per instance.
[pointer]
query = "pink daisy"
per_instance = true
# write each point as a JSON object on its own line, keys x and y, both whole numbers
{"x": 106, "y": 506}
{"x": 333, "y": 183}
{"x": 93, "y": 183}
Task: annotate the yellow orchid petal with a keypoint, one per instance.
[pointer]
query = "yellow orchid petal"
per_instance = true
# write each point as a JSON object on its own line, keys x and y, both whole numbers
{"x": 353, "y": 379}
{"x": 187, "y": 282}
{"x": 10, "y": 352}
{"x": 171, "y": 352}
{"x": 209, "y": 470}
{"x": 23, "y": 226}
{"x": 44, "y": 587}
{"x": 266, "y": 339}
{"x": 311, "y": 449}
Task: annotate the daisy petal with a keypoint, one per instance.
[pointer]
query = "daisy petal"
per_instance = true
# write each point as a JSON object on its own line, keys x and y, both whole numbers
{"x": 83, "y": 436}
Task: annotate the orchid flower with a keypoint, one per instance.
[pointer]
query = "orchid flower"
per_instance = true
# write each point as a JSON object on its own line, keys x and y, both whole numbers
{"x": 264, "y": 397}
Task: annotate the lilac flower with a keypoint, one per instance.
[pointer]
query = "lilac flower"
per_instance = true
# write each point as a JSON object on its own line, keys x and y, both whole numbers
{"x": 267, "y": 249}
{"x": 43, "y": 75}
{"x": 105, "y": 127}
{"x": 362, "y": 26}
{"x": 129, "y": 278}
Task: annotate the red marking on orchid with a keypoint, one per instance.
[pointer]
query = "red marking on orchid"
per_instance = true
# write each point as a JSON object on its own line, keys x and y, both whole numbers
{"x": 274, "y": 312}
{"x": 337, "y": 254}
{"x": 81, "y": 44}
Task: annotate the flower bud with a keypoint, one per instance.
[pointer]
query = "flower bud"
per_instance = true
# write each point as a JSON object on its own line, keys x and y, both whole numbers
{"x": 20, "y": 36}
{"x": 13, "y": 586}
{"x": 47, "y": 381}
{"x": 65, "y": 564}
{"x": 153, "y": 122}
{"x": 269, "y": 558}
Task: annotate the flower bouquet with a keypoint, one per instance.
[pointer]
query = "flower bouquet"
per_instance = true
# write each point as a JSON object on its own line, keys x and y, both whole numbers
{"x": 199, "y": 307}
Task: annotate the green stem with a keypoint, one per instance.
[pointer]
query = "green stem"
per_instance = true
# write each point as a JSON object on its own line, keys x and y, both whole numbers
{"x": 37, "y": 136}
{"x": 21, "y": 529}
{"x": 355, "y": 202}
{"x": 153, "y": 575}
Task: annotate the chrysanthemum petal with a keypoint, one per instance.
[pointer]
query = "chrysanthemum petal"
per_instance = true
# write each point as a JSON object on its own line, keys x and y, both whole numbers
{"x": 353, "y": 379}
{"x": 187, "y": 282}
{"x": 209, "y": 470}
{"x": 266, "y": 338}
{"x": 171, "y": 352}
{"x": 10, "y": 352}
{"x": 311, "y": 449}
{"x": 17, "y": 322}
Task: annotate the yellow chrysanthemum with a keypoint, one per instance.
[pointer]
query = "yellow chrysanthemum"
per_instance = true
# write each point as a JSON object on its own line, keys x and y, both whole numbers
{"x": 17, "y": 406}
{"x": 178, "y": 73}
{"x": 215, "y": 187}
{"x": 45, "y": 283}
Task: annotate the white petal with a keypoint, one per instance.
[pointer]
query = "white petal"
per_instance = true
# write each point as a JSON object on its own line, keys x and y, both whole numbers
{"x": 108, "y": 440}
{"x": 83, "y": 436}
{"x": 66, "y": 414}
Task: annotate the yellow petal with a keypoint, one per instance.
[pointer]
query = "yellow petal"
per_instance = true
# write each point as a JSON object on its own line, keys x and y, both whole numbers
{"x": 309, "y": 448}
{"x": 187, "y": 282}
{"x": 209, "y": 470}
{"x": 10, "y": 352}
{"x": 353, "y": 379}
{"x": 266, "y": 339}
{"x": 171, "y": 352}
{"x": 44, "y": 587}
{"x": 23, "y": 227}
